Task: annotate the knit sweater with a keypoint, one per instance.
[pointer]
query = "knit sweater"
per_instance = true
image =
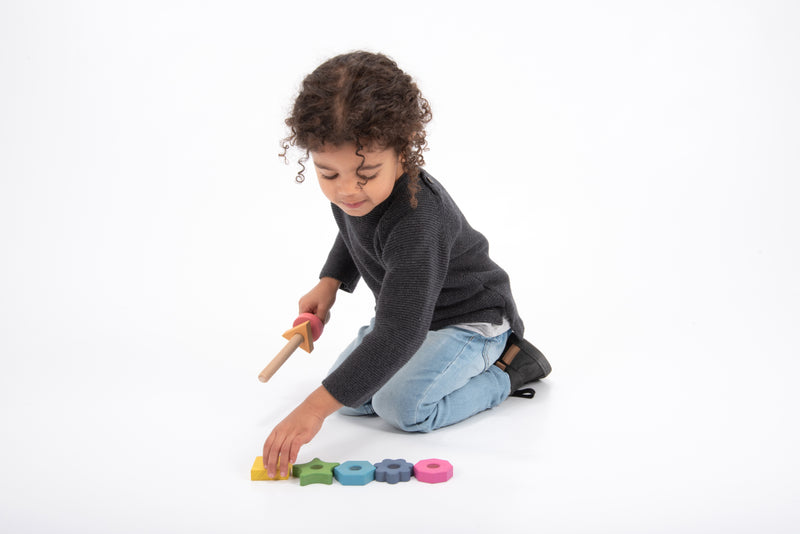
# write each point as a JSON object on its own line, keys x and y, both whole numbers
{"x": 427, "y": 268}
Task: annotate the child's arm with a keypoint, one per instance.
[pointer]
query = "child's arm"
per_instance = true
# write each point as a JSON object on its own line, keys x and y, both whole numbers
{"x": 297, "y": 429}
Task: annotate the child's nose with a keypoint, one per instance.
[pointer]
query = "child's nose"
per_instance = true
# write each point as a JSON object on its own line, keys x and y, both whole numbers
{"x": 350, "y": 185}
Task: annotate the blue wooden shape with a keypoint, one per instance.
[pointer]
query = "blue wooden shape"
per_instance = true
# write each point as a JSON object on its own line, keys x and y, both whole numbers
{"x": 394, "y": 471}
{"x": 354, "y": 473}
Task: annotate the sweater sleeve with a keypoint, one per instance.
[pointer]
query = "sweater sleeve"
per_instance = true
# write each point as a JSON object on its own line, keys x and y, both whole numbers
{"x": 416, "y": 255}
{"x": 340, "y": 266}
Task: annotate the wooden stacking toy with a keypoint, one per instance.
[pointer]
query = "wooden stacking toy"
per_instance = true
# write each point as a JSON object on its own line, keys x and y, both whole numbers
{"x": 257, "y": 472}
{"x": 353, "y": 473}
{"x": 306, "y": 330}
{"x": 314, "y": 472}
{"x": 361, "y": 473}
{"x": 433, "y": 471}
{"x": 394, "y": 471}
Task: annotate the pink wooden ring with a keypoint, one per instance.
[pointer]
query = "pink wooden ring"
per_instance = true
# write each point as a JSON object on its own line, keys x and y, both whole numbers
{"x": 433, "y": 470}
{"x": 316, "y": 324}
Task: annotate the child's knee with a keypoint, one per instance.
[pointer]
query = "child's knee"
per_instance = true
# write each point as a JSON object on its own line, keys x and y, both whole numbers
{"x": 401, "y": 412}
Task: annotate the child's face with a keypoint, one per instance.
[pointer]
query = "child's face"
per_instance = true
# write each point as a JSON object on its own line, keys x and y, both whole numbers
{"x": 356, "y": 195}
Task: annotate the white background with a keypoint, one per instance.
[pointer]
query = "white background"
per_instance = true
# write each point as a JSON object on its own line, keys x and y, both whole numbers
{"x": 634, "y": 165}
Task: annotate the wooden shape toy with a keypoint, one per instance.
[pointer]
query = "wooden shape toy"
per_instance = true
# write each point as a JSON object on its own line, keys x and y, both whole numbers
{"x": 306, "y": 329}
{"x": 314, "y": 472}
{"x": 257, "y": 472}
{"x": 433, "y": 471}
{"x": 354, "y": 473}
{"x": 393, "y": 471}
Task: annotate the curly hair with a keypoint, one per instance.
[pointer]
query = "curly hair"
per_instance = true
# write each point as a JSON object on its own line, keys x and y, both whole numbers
{"x": 365, "y": 99}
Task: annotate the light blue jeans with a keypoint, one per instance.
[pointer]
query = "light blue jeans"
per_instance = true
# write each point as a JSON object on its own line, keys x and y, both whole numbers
{"x": 450, "y": 378}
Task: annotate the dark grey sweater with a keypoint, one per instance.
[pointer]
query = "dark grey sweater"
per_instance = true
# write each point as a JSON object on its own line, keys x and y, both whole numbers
{"x": 428, "y": 269}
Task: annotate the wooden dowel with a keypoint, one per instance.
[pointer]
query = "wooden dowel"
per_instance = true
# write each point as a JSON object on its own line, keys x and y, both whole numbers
{"x": 281, "y": 358}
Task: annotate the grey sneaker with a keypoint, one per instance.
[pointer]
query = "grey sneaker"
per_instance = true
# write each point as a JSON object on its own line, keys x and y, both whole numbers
{"x": 524, "y": 363}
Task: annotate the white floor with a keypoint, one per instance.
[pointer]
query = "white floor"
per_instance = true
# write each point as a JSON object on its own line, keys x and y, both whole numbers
{"x": 634, "y": 165}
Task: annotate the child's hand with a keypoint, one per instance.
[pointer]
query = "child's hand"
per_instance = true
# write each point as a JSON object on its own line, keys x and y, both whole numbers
{"x": 319, "y": 300}
{"x": 285, "y": 441}
{"x": 297, "y": 429}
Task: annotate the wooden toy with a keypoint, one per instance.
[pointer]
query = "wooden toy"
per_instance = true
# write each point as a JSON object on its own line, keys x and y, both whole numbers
{"x": 393, "y": 471}
{"x": 307, "y": 329}
{"x": 257, "y": 472}
{"x": 354, "y": 473}
{"x": 360, "y": 473}
{"x": 433, "y": 470}
{"x": 314, "y": 472}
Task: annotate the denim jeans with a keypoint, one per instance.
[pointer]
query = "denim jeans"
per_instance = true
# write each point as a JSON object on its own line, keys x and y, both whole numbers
{"x": 450, "y": 378}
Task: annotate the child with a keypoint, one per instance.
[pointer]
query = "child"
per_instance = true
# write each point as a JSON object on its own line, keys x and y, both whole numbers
{"x": 446, "y": 340}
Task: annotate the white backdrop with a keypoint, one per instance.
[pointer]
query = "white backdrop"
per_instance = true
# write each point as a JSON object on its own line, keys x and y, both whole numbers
{"x": 634, "y": 164}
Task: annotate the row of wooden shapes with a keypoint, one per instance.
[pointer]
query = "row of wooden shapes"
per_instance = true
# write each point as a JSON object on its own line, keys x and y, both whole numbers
{"x": 359, "y": 473}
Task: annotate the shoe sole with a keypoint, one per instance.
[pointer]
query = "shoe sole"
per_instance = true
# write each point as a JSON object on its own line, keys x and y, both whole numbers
{"x": 528, "y": 348}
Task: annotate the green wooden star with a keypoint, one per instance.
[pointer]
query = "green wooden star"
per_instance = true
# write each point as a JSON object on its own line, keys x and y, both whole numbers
{"x": 314, "y": 472}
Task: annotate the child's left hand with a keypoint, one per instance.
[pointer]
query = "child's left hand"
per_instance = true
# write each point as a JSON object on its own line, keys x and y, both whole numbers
{"x": 297, "y": 429}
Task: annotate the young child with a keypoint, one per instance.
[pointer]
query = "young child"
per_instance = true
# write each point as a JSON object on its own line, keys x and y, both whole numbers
{"x": 446, "y": 340}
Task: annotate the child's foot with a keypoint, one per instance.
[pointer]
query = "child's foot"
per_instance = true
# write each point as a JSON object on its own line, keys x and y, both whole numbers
{"x": 523, "y": 362}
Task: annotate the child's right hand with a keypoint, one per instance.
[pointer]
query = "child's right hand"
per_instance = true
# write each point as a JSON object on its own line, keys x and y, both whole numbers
{"x": 320, "y": 299}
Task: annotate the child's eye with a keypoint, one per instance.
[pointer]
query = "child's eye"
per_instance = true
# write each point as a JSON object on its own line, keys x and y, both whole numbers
{"x": 369, "y": 177}
{"x": 329, "y": 177}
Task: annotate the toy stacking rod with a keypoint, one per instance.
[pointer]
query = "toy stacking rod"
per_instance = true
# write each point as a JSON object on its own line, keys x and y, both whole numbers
{"x": 307, "y": 329}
